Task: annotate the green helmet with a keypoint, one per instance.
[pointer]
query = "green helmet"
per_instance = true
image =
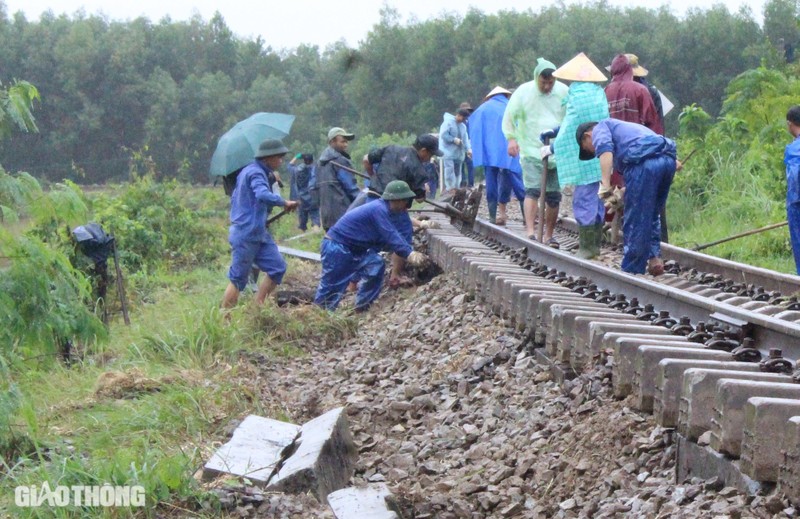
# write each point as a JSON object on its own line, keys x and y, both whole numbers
{"x": 397, "y": 190}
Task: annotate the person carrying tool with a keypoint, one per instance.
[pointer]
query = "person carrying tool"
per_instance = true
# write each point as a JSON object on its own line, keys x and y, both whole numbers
{"x": 791, "y": 158}
{"x": 648, "y": 162}
{"x": 502, "y": 172}
{"x": 406, "y": 163}
{"x": 337, "y": 187}
{"x": 534, "y": 107}
{"x": 585, "y": 102}
{"x": 454, "y": 141}
{"x": 250, "y": 241}
{"x": 303, "y": 182}
{"x": 351, "y": 248}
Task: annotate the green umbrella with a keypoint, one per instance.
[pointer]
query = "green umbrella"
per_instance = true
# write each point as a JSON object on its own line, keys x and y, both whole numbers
{"x": 237, "y": 147}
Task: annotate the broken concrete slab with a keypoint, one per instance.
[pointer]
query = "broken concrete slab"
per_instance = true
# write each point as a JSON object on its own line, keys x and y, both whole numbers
{"x": 254, "y": 451}
{"x": 324, "y": 460}
{"x": 373, "y": 501}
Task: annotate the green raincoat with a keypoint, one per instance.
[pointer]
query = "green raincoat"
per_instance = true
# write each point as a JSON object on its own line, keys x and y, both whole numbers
{"x": 530, "y": 112}
{"x": 586, "y": 102}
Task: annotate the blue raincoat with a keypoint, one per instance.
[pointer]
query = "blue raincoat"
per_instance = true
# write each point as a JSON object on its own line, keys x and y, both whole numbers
{"x": 647, "y": 162}
{"x": 250, "y": 241}
{"x": 791, "y": 158}
{"x": 490, "y": 150}
{"x": 350, "y": 250}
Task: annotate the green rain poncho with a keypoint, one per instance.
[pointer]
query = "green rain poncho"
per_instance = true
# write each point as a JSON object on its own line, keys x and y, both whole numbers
{"x": 585, "y": 102}
{"x": 530, "y": 112}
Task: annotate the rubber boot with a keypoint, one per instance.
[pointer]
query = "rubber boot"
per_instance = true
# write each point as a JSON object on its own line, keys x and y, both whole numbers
{"x": 522, "y": 211}
{"x": 589, "y": 241}
{"x": 492, "y": 211}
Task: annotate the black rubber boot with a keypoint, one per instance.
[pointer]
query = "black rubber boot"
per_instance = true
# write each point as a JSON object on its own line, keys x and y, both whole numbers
{"x": 492, "y": 211}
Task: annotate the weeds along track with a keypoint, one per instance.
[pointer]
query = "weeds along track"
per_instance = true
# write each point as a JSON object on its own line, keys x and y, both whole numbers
{"x": 709, "y": 347}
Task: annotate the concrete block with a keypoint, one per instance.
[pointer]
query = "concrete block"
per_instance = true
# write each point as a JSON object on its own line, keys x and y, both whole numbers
{"x": 603, "y": 336}
{"x": 789, "y": 475}
{"x": 550, "y": 308}
{"x": 254, "y": 451}
{"x": 669, "y": 382}
{"x": 763, "y": 435}
{"x": 727, "y": 422}
{"x": 484, "y": 275}
{"x": 699, "y": 394}
{"x": 646, "y": 368}
{"x": 520, "y": 300}
{"x": 679, "y": 282}
{"x": 570, "y": 324}
{"x": 533, "y": 317}
{"x": 324, "y": 461}
{"x": 579, "y": 334}
{"x": 374, "y": 501}
{"x": 700, "y": 461}
{"x": 511, "y": 288}
{"x": 500, "y": 293}
{"x": 624, "y": 368}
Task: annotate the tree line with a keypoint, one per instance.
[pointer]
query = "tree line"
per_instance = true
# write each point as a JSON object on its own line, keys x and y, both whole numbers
{"x": 115, "y": 92}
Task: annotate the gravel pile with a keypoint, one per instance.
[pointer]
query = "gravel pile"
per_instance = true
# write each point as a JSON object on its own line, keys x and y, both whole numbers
{"x": 450, "y": 410}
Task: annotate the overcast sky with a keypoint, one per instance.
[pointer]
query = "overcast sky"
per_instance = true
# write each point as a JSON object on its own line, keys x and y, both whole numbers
{"x": 288, "y": 23}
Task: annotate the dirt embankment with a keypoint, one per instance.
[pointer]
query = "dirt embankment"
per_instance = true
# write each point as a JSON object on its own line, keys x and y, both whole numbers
{"x": 452, "y": 412}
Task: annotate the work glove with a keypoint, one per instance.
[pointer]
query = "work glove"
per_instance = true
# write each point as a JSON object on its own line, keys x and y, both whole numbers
{"x": 298, "y": 156}
{"x": 549, "y": 134}
{"x": 428, "y": 224}
{"x": 400, "y": 282}
{"x": 545, "y": 151}
{"x": 457, "y": 141}
{"x": 416, "y": 259}
{"x": 615, "y": 202}
{"x": 604, "y": 192}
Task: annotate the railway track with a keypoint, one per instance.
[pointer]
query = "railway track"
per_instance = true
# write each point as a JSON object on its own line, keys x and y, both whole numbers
{"x": 710, "y": 347}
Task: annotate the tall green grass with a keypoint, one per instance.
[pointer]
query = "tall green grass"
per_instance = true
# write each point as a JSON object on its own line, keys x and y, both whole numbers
{"x": 734, "y": 199}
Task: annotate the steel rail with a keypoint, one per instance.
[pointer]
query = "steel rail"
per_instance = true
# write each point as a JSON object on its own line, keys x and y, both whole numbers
{"x": 770, "y": 280}
{"x": 767, "y": 331}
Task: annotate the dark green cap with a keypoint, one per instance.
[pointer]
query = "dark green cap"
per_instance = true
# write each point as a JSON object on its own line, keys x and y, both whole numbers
{"x": 271, "y": 147}
{"x": 397, "y": 190}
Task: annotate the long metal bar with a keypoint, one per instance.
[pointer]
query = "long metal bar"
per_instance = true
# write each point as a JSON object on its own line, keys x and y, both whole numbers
{"x": 297, "y": 253}
{"x": 768, "y": 332}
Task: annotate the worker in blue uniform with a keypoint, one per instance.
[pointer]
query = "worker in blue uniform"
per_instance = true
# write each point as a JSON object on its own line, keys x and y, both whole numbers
{"x": 351, "y": 247}
{"x": 791, "y": 158}
{"x": 251, "y": 243}
{"x": 648, "y": 162}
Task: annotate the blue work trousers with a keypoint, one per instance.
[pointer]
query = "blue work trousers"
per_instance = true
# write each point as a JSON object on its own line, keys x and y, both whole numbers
{"x": 469, "y": 174}
{"x": 452, "y": 173}
{"x": 500, "y": 182}
{"x": 646, "y": 188}
{"x": 586, "y": 205}
{"x": 306, "y": 212}
{"x": 339, "y": 266}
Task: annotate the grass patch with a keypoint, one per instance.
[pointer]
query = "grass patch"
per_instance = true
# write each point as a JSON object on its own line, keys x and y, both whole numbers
{"x": 146, "y": 407}
{"x": 732, "y": 200}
